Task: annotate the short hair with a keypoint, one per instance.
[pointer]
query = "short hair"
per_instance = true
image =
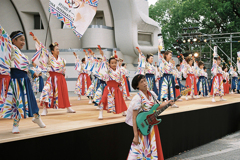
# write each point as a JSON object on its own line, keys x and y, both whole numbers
{"x": 123, "y": 64}
{"x": 224, "y": 67}
{"x": 204, "y": 68}
{"x": 83, "y": 60}
{"x": 111, "y": 59}
{"x": 217, "y": 58}
{"x": 200, "y": 63}
{"x": 136, "y": 80}
{"x": 148, "y": 56}
{"x": 178, "y": 65}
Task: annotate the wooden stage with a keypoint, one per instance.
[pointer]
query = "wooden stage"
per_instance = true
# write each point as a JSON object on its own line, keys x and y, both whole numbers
{"x": 86, "y": 116}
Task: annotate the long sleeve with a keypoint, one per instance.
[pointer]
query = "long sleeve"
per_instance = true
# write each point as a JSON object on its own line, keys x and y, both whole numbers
{"x": 141, "y": 64}
{"x": 41, "y": 57}
{"x": 214, "y": 68}
{"x": 184, "y": 66}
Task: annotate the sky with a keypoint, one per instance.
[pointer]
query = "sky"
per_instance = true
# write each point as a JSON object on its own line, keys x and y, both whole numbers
{"x": 151, "y": 2}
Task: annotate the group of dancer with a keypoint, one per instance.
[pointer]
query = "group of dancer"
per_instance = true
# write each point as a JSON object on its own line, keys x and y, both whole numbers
{"x": 108, "y": 89}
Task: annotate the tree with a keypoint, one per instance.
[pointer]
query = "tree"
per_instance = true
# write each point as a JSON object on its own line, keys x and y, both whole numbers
{"x": 211, "y": 16}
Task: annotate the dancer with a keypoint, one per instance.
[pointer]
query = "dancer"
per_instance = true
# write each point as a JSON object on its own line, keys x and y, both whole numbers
{"x": 201, "y": 84}
{"x": 128, "y": 81}
{"x": 157, "y": 76}
{"x": 189, "y": 73}
{"x": 233, "y": 73}
{"x": 178, "y": 78}
{"x": 37, "y": 80}
{"x": 96, "y": 63}
{"x": 112, "y": 97}
{"x": 225, "y": 80}
{"x": 144, "y": 147}
{"x": 5, "y": 64}
{"x": 55, "y": 92}
{"x": 20, "y": 101}
{"x": 147, "y": 69}
{"x": 167, "y": 81}
{"x": 83, "y": 81}
{"x": 124, "y": 71}
{"x": 206, "y": 79}
{"x": 217, "y": 82}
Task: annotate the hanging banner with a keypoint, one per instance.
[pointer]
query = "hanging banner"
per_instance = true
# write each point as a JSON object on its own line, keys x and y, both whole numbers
{"x": 76, "y": 14}
{"x": 215, "y": 51}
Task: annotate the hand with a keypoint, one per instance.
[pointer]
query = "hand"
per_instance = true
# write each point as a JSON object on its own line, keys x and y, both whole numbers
{"x": 182, "y": 56}
{"x": 115, "y": 52}
{"x": 170, "y": 102}
{"x": 138, "y": 49}
{"x": 35, "y": 75}
{"x": 35, "y": 38}
{"x": 136, "y": 140}
{"x": 75, "y": 54}
{"x": 101, "y": 52}
{"x": 99, "y": 47}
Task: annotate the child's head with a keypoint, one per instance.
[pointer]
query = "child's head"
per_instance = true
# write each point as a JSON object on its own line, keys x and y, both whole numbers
{"x": 83, "y": 61}
{"x": 18, "y": 39}
{"x": 124, "y": 65}
{"x": 205, "y": 69}
{"x": 235, "y": 68}
{"x": 149, "y": 58}
{"x": 200, "y": 64}
{"x": 54, "y": 49}
{"x": 178, "y": 67}
{"x": 168, "y": 56}
{"x": 218, "y": 59}
{"x": 189, "y": 60}
{"x": 224, "y": 68}
{"x": 112, "y": 63}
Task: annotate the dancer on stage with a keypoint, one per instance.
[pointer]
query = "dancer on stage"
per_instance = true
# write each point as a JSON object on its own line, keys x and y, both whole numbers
{"x": 217, "y": 82}
{"x": 125, "y": 87}
{"x": 178, "y": 78}
{"x": 96, "y": 64}
{"x": 225, "y": 80}
{"x": 206, "y": 79}
{"x": 83, "y": 81}
{"x": 146, "y": 68}
{"x": 167, "y": 81}
{"x": 112, "y": 97}
{"x": 144, "y": 147}
{"x": 37, "y": 80}
{"x": 201, "y": 84}
{"x": 128, "y": 81}
{"x": 55, "y": 92}
{"x": 189, "y": 73}
{"x": 234, "y": 74}
{"x": 20, "y": 101}
{"x": 5, "y": 64}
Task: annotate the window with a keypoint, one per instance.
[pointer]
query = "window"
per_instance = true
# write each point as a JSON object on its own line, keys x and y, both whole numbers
{"x": 145, "y": 39}
{"x": 38, "y": 22}
{"x": 99, "y": 19}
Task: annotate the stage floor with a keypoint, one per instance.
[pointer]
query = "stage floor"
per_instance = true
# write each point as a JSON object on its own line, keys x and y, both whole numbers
{"x": 86, "y": 116}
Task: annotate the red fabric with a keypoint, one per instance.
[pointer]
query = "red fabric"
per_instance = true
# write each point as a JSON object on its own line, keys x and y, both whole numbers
{"x": 83, "y": 82}
{"x": 63, "y": 99}
{"x": 125, "y": 80}
{"x": 220, "y": 77}
{"x": 6, "y": 82}
{"x": 226, "y": 87}
{"x": 177, "y": 91}
{"x": 158, "y": 142}
{"x": 188, "y": 83}
{"x": 120, "y": 105}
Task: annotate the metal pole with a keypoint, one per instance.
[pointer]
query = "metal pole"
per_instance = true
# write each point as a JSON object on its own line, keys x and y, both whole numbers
{"x": 47, "y": 28}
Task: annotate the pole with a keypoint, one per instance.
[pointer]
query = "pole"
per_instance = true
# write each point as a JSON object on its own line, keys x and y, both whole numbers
{"x": 47, "y": 28}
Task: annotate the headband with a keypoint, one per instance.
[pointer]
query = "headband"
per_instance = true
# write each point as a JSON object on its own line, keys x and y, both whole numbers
{"x": 17, "y": 35}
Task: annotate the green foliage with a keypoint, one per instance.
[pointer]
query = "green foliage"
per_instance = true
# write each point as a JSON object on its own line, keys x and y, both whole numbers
{"x": 211, "y": 16}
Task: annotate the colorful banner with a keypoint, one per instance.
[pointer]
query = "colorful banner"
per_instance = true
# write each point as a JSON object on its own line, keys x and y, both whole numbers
{"x": 76, "y": 14}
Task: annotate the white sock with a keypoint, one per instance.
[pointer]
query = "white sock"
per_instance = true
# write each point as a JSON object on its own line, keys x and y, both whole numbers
{"x": 100, "y": 114}
{"x": 70, "y": 110}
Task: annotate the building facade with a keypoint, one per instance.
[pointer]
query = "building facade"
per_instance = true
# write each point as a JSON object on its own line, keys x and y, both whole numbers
{"x": 120, "y": 25}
